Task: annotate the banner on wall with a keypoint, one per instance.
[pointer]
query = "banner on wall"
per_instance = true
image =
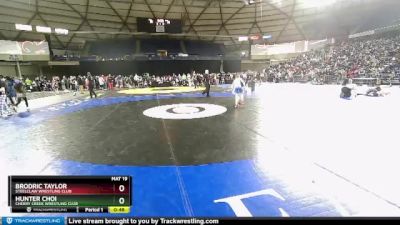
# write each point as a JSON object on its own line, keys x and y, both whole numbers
{"x": 362, "y": 34}
{"x": 273, "y": 49}
{"x": 26, "y": 50}
{"x": 10, "y": 48}
{"x": 288, "y": 48}
{"x": 34, "y": 48}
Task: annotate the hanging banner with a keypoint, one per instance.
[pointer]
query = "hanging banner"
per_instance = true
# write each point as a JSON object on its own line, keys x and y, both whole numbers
{"x": 24, "y": 51}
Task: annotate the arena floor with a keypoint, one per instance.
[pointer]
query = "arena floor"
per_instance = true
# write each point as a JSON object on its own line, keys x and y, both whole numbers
{"x": 291, "y": 150}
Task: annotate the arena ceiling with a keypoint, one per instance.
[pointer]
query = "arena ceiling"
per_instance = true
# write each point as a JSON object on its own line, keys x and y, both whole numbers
{"x": 214, "y": 20}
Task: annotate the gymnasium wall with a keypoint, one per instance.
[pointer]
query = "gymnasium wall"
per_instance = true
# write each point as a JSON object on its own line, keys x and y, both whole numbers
{"x": 123, "y": 67}
{"x": 254, "y": 65}
{"x": 159, "y": 67}
{"x": 10, "y": 69}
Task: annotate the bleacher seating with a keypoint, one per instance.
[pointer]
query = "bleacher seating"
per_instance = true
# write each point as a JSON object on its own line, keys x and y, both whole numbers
{"x": 150, "y": 46}
{"x": 119, "y": 49}
{"x": 202, "y": 48}
{"x": 113, "y": 48}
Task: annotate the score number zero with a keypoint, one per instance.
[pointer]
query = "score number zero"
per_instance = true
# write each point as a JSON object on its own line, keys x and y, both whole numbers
{"x": 121, "y": 188}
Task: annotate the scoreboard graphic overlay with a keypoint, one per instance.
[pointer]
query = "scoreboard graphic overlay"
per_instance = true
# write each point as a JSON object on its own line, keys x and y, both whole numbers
{"x": 70, "y": 194}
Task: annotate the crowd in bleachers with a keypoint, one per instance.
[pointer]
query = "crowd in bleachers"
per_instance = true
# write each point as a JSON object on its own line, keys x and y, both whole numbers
{"x": 368, "y": 57}
{"x": 109, "y": 81}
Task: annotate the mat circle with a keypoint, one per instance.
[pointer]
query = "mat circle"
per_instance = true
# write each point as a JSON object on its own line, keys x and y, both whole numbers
{"x": 159, "y": 90}
{"x": 185, "y": 111}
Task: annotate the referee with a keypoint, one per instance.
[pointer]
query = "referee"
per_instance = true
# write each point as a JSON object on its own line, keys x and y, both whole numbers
{"x": 207, "y": 85}
{"x": 91, "y": 85}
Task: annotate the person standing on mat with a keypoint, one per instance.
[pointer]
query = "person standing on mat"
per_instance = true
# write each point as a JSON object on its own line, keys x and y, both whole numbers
{"x": 10, "y": 91}
{"x": 238, "y": 90}
{"x": 2, "y": 82}
{"x": 110, "y": 82}
{"x": 252, "y": 84}
{"x": 91, "y": 85}
{"x": 4, "y": 111}
{"x": 207, "y": 85}
{"x": 80, "y": 83}
{"x": 21, "y": 94}
{"x": 195, "y": 81}
{"x": 76, "y": 86}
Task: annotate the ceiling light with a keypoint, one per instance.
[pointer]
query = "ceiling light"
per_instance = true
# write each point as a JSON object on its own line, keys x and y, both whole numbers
{"x": 267, "y": 36}
{"x": 61, "y": 31}
{"x": 243, "y": 38}
{"x": 317, "y": 3}
{"x": 255, "y": 37}
{"x": 23, "y": 27}
{"x": 249, "y": 2}
{"x": 43, "y": 29}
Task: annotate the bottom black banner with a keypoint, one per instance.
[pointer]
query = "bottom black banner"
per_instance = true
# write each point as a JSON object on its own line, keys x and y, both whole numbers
{"x": 211, "y": 221}
{"x": 140, "y": 221}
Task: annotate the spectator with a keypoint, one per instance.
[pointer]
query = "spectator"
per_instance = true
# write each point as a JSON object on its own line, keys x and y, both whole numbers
{"x": 28, "y": 84}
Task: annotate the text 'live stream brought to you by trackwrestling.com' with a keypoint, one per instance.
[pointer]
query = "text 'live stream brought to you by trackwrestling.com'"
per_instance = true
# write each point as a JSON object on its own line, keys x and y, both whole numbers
{"x": 140, "y": 221}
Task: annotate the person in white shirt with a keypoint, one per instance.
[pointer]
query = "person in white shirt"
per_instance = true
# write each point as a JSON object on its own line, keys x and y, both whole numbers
{"x": 190, "y": 81}
{"x": 101, "y": 82}
{"x": 76, "y": 86}
{"x": 136, "y": 80}
{"x": 238, "y": 88}
{"x": 4, "y": 109}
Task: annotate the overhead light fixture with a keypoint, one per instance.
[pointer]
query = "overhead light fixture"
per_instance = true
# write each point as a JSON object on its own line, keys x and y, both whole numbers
{"x": 23, "y": 27}
{"x": 317, "y": 3}
{"x": 43, "y": 29}
{"x": 249, "y": 2}
{"x": 267, "y": 36}
{"x": 183, "y": 55}
{"x": 254, "y": 37}
{"x": 243, "y": 38}
{"x": 61, "y": 31}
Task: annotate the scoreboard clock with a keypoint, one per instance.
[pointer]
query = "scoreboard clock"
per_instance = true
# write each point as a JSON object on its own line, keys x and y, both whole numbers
{"x": 157, "y": 25}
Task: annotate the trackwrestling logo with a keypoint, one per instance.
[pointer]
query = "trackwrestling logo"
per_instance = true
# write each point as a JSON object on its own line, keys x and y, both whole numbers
{"x": 33, "y": 220}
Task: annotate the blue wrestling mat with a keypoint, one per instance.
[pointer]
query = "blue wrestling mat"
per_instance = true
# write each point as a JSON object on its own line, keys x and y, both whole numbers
{"x": 197, "y": 161}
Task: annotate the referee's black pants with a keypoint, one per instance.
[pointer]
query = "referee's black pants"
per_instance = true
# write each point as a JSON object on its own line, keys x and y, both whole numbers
{"x": 207, "y": 90}
{"x": 91, "y": 91}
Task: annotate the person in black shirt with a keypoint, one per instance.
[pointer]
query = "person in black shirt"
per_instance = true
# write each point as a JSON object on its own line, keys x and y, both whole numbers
{"x": 207, "y": 85}
{"x": 252, "y": 84}
{"x": 346, "y": 91}
{"x": 91, "y": 85}
{"x": 10, "y": 90}
{"x": 199, "y": 78}
{"x": 195, "y": 81}
{"x": 21, "y": 94}
{"x": 80, "y": 84}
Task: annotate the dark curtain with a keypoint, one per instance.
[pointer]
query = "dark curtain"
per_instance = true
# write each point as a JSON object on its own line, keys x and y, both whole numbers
{"x": 159, "y": 67}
